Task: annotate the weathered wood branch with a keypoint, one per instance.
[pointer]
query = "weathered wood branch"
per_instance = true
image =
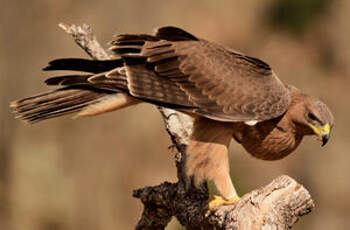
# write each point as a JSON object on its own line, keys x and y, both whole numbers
{"x": 279, "y": 205}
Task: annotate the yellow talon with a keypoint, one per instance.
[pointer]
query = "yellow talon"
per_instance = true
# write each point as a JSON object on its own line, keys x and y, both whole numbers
{"x": 216, "y": 201}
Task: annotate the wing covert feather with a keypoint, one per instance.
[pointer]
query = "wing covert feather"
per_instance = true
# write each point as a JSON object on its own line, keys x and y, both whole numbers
{"x": 223, "y": 84}
{"x": 179, "y": 69}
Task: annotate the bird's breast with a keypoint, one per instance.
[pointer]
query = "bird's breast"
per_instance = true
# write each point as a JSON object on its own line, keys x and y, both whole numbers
{"x": 268, "y": 140}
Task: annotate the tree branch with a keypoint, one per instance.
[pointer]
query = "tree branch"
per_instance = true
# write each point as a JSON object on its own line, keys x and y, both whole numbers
{"x": 279, "y": 205}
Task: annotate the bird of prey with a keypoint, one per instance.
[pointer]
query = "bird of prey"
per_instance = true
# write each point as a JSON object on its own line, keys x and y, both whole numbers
{"x": 229, "y": 95}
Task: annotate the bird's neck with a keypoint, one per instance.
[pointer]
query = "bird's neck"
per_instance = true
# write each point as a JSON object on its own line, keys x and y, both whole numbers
{"x": 294, "y": 116}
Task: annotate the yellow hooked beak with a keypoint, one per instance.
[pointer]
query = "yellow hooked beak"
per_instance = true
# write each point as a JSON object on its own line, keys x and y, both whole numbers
{"x": 322, "y": 132}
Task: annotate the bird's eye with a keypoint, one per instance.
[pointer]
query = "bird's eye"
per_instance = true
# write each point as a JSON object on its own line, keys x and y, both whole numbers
{"x": 311, "y": 116}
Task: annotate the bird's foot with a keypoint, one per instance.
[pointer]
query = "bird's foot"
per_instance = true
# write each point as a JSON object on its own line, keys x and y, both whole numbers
{"x": 216, "y": 201}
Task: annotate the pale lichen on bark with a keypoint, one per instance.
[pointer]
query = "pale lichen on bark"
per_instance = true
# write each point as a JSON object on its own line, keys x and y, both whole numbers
{"x": 278, "y": 205}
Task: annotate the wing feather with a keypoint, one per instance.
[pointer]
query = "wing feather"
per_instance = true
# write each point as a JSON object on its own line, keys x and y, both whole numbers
{"x": 176, "y": 67}
{"x": 222, "y": 83}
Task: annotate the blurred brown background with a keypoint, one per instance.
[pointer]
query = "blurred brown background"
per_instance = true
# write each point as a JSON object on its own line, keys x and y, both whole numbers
{"x": 79, "y": 174}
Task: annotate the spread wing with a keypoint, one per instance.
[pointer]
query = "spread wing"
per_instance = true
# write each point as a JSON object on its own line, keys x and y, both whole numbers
{"x": 176, "y": 68}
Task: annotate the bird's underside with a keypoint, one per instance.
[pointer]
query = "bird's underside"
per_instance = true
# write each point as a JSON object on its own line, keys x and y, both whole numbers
{"x": 228, "y": 93}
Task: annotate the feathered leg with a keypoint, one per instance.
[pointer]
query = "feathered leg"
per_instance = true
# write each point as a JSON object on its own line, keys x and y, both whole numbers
{"x": 207, "y": 158}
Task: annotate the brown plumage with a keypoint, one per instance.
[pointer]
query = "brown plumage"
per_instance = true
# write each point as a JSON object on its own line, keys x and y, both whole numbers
{"x": 228, "y": 93}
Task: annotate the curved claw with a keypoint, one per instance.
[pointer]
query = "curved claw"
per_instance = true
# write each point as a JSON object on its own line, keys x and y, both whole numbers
{"x": 216, "y": 201}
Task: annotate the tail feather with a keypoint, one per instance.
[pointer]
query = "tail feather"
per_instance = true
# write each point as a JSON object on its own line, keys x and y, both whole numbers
{"x": 68, "y": 80}
{"x": 55, "y": 103}
{"x": 107, "y": 103}
{"x": 78, "y": 93}
{"x": 85, "y": 65}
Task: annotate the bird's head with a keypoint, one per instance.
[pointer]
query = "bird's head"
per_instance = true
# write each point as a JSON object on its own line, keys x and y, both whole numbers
{"x": 315, "y": 119}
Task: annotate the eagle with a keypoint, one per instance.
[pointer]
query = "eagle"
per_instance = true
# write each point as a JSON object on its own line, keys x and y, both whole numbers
{"x": 227, "y": 93}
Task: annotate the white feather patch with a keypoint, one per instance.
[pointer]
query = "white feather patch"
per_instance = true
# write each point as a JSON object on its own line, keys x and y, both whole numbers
{"x": 251, "y": 123}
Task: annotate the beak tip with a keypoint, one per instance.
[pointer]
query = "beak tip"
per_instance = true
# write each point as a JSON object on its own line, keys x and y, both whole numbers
{"x": 325, "y": 139}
